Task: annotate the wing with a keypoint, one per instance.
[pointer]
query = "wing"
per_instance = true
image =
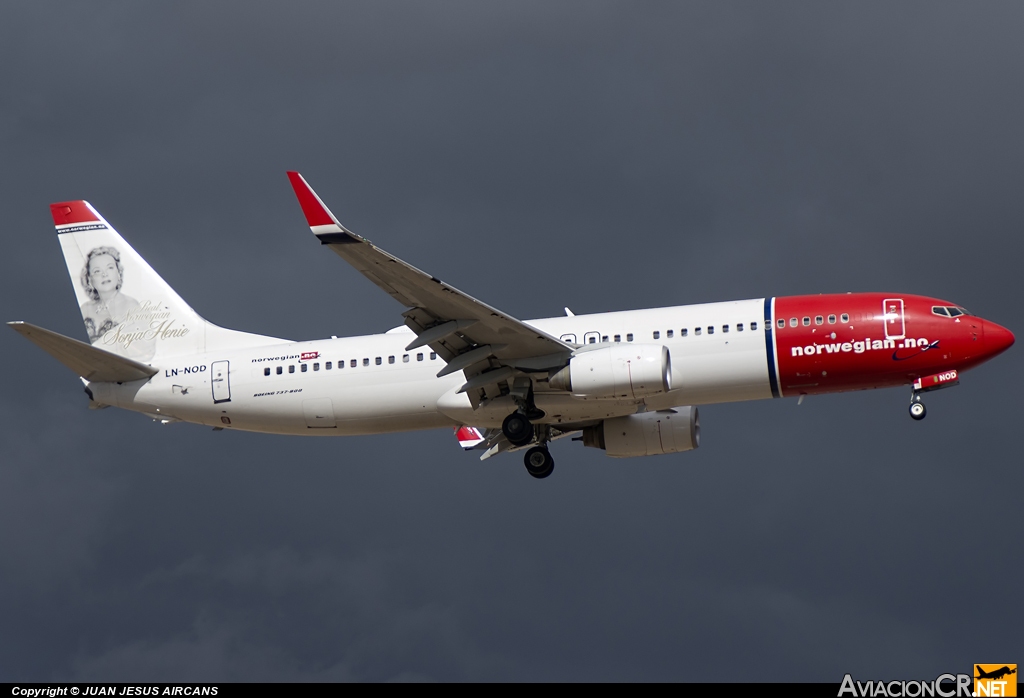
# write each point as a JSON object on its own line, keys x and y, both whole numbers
{"x": 488, "y": 345}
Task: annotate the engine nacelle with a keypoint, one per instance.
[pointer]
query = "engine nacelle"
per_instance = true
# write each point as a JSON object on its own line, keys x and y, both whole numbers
{"x": 628, "y": 371}
{"x": 647, "y": 433}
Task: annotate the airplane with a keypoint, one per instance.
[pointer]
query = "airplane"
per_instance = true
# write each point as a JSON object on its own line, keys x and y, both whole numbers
{"x": 627, "y": 382}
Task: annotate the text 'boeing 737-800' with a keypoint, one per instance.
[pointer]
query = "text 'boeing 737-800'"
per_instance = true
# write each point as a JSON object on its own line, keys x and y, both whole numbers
{"x": 626, "y": 382}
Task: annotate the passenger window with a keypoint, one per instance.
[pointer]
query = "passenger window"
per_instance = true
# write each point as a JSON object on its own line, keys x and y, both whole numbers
{"x": 793, "y": 322}
{"x": 280, "y": 370}
{"x": 618, "y": 338}
{"x": 291, "y": 368}
{"x": 657, "y": 335}
{"x": 807, "y": 321}
{"x": 316, "y": 367}
{"x": 711, "y": 329}
{"x": 753, "y": 327}
{"x": 683, "y": 332}
{"x": 266, "y": 371}
{"x": 781, "y": 323}
{"x": 696, "y": 331}
{"x": 739, "y": 326}
{"x": 305, "y": 367}
{"x": 377, "y": 361}
{"x": 433, "y": 356}
{"x": 391, "y": 359}
{"x": 725, "y": 328}
{"x": 819, "y": 320}
{"x": 629, "y": 337}
{"x": 604, "y": 338}
{"x": 593, "y": 340}
{"x": 669, "y": 334}
{"x": 419, "y": 357}
{"x": 327, "y": 366}
{"x": 569, "y": 337}
{"x": 405, "y": 358}
{"x": 845, "y": 318}
{"x": 366, "y": 362}
{"x": 353, "y": 363}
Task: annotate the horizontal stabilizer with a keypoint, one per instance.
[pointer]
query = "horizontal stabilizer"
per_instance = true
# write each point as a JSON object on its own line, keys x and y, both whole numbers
{"x": 86, "y": 361}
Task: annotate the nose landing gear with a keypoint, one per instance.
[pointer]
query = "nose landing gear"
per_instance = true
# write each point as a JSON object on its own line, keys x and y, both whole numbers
{"x": 917, "y": 408}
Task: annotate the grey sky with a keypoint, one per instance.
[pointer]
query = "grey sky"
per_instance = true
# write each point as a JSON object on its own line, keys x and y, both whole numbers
{"x": 597, "y": 155}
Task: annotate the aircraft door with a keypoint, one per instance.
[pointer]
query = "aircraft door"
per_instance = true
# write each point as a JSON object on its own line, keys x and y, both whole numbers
{"x": 219, "y": 379}
{"x": 592, "y": 338}
{"x": 892, "y": 317}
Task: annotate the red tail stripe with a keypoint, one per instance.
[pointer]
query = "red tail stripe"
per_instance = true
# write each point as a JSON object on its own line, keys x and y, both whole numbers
{"x": 67, "y": 212}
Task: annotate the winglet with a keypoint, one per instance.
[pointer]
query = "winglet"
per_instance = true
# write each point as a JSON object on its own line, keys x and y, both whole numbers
{"x": 320, "y": 219}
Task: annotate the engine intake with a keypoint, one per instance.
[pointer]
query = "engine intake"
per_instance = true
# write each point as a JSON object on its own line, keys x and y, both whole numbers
{"x": 620, "y": 371}
{"x": 647, "y": 433}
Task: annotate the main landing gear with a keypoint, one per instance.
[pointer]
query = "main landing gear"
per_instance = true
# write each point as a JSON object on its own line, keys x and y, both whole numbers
{"x": 520, "y": 432}
{"x": 917, "y": 408}
{"x": 539, "y": 462}
{"x": 517, "y": 429}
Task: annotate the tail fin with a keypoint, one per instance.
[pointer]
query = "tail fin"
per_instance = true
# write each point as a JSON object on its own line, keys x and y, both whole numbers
{"x": 127, "y": 308}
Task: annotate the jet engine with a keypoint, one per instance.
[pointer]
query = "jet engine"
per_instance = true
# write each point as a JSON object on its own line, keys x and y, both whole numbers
{"x": 628, "y": 371}
{"x": 647, "y": 433}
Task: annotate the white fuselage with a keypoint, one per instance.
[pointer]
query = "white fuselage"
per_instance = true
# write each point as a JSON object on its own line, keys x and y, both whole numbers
{"x": 371, "y": 384}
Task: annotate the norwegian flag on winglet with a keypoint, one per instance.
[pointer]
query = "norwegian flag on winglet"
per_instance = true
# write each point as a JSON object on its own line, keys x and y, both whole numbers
{"x": 468, "y": 437}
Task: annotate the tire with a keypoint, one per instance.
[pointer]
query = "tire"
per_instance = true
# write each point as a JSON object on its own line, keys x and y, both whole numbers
{"x": 517, "y": 429}
{"x": 918, "y": 411}
{"x": 539, "y": 462}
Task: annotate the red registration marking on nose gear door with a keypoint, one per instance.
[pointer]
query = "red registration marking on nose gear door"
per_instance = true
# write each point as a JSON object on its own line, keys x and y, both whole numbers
{"x": 945, "y": 379}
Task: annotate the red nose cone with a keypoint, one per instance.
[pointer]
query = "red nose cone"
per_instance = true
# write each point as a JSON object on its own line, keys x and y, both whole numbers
{"x": 997, "y": 338}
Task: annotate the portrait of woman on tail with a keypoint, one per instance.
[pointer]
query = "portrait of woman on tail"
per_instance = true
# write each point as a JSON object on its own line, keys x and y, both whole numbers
{"x": 109, "y": 308}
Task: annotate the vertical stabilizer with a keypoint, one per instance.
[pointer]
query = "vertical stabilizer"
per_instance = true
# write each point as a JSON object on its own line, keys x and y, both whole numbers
{"x": 127, "y": 308}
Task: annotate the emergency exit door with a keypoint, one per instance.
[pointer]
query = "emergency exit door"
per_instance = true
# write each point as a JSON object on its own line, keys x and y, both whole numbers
{"x": 219, "y": 379}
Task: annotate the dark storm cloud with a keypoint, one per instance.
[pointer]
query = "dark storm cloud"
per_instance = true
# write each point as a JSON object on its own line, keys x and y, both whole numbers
{"x": 596, "y": 155}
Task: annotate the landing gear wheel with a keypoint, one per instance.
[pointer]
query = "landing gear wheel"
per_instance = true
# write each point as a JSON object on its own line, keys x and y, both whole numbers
{"x": 917, "y": 410}
{"x": 517, "y": 429}
{"x": 539, "y": 462}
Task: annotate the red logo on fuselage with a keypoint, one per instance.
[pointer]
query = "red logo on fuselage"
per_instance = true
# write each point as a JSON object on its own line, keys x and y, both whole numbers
{"x": 309, "y": 355}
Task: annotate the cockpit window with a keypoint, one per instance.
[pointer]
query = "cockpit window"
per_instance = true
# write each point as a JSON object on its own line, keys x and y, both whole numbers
{"x": 949, "y": 310}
